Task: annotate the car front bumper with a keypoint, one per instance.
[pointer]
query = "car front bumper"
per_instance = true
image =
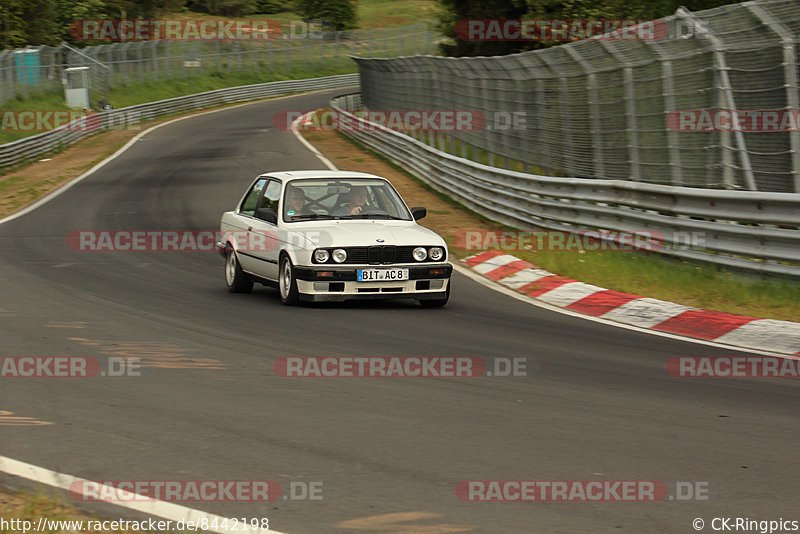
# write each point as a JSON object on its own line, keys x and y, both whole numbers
{"x": 339, "y": 283}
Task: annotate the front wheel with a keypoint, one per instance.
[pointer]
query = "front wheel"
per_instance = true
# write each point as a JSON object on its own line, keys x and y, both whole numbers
{"x": 437, "y": 303}
{"x": 287, "y": 282}
{"x": 236, "y": 279}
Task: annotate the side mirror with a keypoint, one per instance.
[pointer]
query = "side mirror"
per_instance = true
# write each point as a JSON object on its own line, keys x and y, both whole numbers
{"x": 418, "y": 213}
{"x": 267, "y": 214}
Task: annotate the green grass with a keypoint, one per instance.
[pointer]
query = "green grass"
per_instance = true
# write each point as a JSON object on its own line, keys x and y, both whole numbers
{"x": 42, "y": 102}
{"x": 171, "y": 88}
{"x": 693, "y": 284}
{"x": 257, "y": 62}
{"x": 31, "y": 506}
{"x": 457, "y": 148}
{"x": 648, "y": 274}
{"x": 372, "y": 14}
{"x": 389, "y": 13}
{"x": 651, "y": 275}
{"x": 154, "y": 90}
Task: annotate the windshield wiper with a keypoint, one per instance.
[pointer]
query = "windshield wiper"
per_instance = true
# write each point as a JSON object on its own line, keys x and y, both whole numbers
{"x": 372, "y": 216}
{"x": 309, "y": 217}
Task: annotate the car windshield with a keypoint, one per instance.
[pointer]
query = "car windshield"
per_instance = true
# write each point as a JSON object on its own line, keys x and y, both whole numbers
{"x": 342, "y": 198}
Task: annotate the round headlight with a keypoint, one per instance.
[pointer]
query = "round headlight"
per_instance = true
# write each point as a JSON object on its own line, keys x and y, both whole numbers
{"x": 339, "y": 255}
{"x": 436, "y": 253}
{"x": 321, "y": 255}
{"x": 420, "y": 253}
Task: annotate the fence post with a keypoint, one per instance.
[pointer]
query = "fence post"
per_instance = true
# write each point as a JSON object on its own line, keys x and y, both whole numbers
{"x": 154, "y": 46}
{"x": 790, "y": 76}
{"x": 594, "y": 107}
{"x": 727, "y": 100}
{"x": 675, "y": 166}
{"x": 630, "y": 111}
{"x": 563, "y": 107}
{"x": 3, "y": 82}
{"x": 140, "y": 56}
{"x": 492, "y": 141}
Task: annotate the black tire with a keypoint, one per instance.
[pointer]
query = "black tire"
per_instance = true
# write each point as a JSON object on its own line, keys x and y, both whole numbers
{"x": 287, "y": 283}
{"x": 437, "y": 303}
{"x": 235, "y": 278}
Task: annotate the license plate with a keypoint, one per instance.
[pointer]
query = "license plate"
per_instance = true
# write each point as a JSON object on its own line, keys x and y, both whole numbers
{"x": 381, "y": 275}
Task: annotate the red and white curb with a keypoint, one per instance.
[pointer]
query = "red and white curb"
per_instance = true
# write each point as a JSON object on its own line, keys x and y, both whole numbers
{"x": 728, "y": 328}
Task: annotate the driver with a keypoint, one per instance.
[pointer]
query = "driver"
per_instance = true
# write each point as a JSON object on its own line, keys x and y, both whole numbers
{"x": 295, "y": 202}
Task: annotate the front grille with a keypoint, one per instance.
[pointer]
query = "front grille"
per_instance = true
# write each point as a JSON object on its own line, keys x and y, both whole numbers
{"x": 381, "y": 254}
{"x": 405, "y": 255}
{"x": 356, "y": 255}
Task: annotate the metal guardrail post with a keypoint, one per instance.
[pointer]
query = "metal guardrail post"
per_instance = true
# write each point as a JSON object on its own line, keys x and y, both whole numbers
{"x": 579, "y": 204}
{"x": 790, "y": 75}
{"x": 728, "y": 101}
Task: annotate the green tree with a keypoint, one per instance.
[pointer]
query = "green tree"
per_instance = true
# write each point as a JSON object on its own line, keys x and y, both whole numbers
{"x": 453, "y": 11}
{"x": 226, "y": 8}
{"x": 337, "y": 14}
{"x": 12, "y": 24}
{"x": 272, "y": 6}
{"x": 27, "y": 22}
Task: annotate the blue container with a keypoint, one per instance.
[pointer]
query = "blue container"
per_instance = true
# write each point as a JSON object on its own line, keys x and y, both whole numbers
{"x": 28, "y": 66}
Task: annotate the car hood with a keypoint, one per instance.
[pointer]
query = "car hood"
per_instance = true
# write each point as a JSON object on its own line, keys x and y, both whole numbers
{"x": 365, "y": 233}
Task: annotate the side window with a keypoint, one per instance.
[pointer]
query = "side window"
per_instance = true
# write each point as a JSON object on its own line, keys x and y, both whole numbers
{"x": 250, "y": 202}
{"x": 271, "y": 195}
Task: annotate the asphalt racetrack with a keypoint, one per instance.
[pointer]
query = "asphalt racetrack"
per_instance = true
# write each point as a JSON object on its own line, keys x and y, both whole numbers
{"x": 596, "y": 404}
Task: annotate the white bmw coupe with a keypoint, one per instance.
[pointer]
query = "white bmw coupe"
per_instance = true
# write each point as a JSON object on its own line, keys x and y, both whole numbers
{"x": 332, "y": 236}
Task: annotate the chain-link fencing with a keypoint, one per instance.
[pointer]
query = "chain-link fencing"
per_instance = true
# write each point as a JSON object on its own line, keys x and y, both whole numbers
{"x": 751, "y": 231}
{"x": 34, "y": 70}
{"x": 599, "y": 108}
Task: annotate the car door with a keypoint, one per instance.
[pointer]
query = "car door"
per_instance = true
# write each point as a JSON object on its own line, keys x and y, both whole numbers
{"x": 263, "y": 233}
{"x": 243, "y": 220}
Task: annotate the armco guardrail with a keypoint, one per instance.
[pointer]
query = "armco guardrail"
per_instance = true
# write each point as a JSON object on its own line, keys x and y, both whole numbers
{"x": 756, "y": 231}
{"x": 30, "y": 147}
